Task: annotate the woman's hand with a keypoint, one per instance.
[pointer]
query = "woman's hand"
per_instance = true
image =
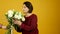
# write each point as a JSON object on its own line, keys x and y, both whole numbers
{"x": 18, "y": 22}
{"x": 4, "y": 27}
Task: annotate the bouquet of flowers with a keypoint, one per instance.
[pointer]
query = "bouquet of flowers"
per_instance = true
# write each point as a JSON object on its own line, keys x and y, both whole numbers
{"x": 10, "y": 15}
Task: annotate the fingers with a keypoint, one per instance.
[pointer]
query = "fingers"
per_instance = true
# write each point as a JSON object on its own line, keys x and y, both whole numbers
{"x": 3, "y": 27}
{"x": 15, "y": 22}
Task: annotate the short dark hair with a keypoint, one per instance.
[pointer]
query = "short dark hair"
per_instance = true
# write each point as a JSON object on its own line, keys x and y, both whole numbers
{"x": 29, "y": 5}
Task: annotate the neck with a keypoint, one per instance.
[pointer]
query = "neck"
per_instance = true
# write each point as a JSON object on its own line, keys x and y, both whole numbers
{"x": 28, "y": 14}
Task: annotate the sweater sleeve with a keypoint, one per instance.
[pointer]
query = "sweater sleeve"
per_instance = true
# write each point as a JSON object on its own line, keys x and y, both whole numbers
{"x": 32, "y": 25}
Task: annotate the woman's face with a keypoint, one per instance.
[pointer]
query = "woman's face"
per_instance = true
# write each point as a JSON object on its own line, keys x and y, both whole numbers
{"x": 25, "y": 9}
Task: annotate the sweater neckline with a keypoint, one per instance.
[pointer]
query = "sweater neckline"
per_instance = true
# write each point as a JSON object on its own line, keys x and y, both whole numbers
{"x": 30, "y": 16}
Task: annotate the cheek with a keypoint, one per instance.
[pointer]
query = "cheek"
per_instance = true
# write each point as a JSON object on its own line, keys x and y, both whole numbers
{"x": 25, "y": 9}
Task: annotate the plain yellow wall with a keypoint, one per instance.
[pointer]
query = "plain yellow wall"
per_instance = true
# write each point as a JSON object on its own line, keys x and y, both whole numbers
{"x": 46, "y": 10}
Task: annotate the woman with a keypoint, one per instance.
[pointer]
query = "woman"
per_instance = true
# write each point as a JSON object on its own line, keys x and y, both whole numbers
{"x": 30, "y": 24}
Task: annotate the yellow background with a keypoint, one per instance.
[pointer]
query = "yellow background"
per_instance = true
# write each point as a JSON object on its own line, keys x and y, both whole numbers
{"x": 46, "y": 10}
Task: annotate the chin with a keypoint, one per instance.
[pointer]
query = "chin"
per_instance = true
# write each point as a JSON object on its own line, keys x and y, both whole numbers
{"x": 24, "y": 12}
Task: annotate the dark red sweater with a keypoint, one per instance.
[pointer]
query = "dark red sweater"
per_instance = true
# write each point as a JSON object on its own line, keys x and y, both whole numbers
{"x": 30, "y": 25}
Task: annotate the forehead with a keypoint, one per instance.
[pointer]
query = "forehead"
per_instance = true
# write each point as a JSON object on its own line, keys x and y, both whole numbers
{"x": 24, "y": 5}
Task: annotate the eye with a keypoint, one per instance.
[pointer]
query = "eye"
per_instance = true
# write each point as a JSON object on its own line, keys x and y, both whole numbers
{"x": 24, "y": 6}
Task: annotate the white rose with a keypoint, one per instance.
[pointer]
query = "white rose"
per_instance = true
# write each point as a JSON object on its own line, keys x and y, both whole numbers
{"x": 17, "y": 15}
{"x": 10, "y": 13}
{"x": 23, "y": 19}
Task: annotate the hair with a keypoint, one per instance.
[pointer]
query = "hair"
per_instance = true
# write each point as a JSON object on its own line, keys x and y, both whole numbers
{"x": 29, "y": 5}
